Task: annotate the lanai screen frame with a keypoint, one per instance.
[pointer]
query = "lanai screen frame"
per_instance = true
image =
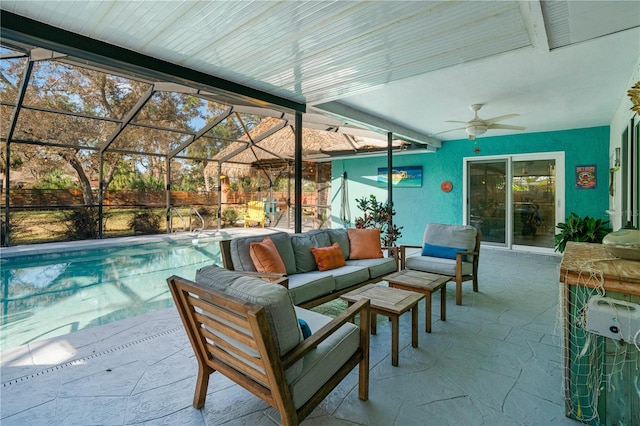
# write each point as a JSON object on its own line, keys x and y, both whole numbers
{"x": 22, "y": 33}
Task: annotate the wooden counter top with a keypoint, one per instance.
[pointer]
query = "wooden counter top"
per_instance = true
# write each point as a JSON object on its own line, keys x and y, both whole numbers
{"x": 581, "y": 259}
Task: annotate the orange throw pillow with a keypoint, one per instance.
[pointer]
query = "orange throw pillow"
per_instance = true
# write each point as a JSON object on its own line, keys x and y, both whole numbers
{"x": 328, "y": 257}
{"x": 266, "y": 258}
{"x": 365, "y": 243}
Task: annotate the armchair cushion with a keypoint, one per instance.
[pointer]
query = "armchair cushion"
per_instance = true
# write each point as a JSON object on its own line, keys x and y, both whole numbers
{"x": 280, "y": 312}
{"x": 437, "y": 265}
{"x": 274, "y": 297}
{"x": 440, "y": 251}
{"x": 440, "y": 234}
{"x": 321, "y": 363}
{"x": 216, "y": 277}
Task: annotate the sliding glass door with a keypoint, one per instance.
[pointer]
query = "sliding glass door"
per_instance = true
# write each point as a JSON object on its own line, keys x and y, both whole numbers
{"x": 487, "y": 195}
{"x": 516, "y": 200}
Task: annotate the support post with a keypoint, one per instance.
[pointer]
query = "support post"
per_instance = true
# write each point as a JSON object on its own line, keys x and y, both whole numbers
{"x": 12, "y": 127}
{"x": 389, "y": 179}
{"x": 298, "y": 174}
{"x": 167, "y": 185}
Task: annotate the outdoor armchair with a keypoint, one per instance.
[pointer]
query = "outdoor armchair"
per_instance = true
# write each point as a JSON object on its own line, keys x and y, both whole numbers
{"x": 249, "y": 331}
{"x": 450, "y": 250}
{"x": 255, "y": 213}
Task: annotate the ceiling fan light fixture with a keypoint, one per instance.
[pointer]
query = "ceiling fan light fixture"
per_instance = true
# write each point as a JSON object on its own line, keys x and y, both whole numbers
{"x": 475, "y": 129}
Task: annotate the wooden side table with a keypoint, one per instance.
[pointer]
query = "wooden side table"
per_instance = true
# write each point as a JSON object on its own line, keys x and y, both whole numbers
{"x": 425, "y": 283}
{"x": 390, "y": 302}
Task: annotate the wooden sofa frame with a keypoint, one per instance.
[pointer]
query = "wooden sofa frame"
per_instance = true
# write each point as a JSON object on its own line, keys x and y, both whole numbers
{"x": 200, "y": 307}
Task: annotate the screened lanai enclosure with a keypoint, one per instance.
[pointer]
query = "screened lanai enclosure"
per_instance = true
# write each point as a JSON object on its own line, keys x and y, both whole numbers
{"x": 92, "y": 152}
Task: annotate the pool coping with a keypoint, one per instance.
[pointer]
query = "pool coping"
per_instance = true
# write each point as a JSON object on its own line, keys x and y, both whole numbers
{"x": 58, "y": 247}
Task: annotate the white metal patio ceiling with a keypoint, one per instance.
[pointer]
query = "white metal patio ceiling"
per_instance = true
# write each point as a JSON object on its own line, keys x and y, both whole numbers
{"x": 402, "y": 66}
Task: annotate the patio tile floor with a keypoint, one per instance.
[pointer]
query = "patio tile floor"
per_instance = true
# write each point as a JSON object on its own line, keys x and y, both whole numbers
{"x": 497, "y": 360}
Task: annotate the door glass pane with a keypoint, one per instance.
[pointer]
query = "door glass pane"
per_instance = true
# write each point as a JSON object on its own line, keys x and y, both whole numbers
{"x": 534, "y": 214}
{"x": 488, "y": 199}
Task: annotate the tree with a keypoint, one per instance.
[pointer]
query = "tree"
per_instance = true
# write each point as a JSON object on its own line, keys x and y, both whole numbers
{"x": 79, "y": 138}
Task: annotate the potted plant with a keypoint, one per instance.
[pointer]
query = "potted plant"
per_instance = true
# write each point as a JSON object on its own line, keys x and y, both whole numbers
{"x": 581, "y": 229}
{"x": 378, "y": 215}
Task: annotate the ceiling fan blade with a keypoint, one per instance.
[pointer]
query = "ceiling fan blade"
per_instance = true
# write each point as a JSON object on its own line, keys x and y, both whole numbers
{"x": 506, "y": 127}
{"x": 447, "y": 131}
{"x": 500, "y": 118}
{"x": 455, "y": 121}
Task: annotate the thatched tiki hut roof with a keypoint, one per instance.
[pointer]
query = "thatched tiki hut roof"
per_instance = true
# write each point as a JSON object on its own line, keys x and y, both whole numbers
{"x": 272, "y": 142}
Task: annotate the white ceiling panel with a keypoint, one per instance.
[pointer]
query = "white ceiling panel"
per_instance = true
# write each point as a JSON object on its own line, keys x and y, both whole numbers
{"x": 413, "y": 63}
{"x": 305, "y": 50}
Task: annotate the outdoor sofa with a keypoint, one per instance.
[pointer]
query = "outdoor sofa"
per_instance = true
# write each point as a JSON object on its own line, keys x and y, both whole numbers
{"x": 362, "y": 255}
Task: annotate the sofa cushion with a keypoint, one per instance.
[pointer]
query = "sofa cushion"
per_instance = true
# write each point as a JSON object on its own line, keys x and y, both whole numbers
{"x": 340, "y": 236}
{"x": 323, "y": 362}
{"x": 265, "y": 257}
{"x": 321, "y": 236}
{"x": 349, "y": 275}
{"x": 437, "y": 265}
{"x": 241, "y": 258}
{"x": 328, "y": 257}
{"x": 364, "y": 243}
{"x": 302, "y": 244}
{"x": 377, "y": 267}
{"x": 308, "y": 286}
{"x": 461, "y": 236}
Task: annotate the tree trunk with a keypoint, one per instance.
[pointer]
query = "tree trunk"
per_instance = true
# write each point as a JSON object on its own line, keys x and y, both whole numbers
{"x": 85, "y": 184}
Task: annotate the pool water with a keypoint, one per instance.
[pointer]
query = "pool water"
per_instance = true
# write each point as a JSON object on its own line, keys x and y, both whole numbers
{"x": 52, "y": 294}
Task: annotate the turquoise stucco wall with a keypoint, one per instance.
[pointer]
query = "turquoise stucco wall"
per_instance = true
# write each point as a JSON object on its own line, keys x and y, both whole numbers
{"x": 417, "y": 206}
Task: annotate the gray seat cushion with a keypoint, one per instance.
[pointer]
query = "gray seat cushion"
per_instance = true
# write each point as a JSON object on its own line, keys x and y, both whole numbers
{"x": 377, "y": 267}
{"x": 349, "y": 275}
{"x": 321, "y": 363}
{"x": 307, "y": 286}
{"x": 437, "y": 265}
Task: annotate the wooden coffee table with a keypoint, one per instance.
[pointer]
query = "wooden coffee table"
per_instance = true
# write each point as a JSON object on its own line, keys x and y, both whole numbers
{"x": 390, "y": 302}
{"x": 425, "y": 283}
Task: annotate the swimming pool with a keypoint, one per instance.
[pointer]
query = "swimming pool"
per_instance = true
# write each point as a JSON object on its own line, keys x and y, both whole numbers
{"x": 74, "y": 286}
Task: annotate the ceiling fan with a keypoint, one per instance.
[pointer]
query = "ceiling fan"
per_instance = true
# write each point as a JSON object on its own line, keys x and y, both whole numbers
{"x": 477, "y": 126}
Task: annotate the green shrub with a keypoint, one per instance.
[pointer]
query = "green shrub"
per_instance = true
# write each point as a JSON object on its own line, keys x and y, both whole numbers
{"x": 229, "y": 217}
{"x": 585, "y": 230}
{"x": 145, "y": 222}
{"x": 82, "y": 224}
